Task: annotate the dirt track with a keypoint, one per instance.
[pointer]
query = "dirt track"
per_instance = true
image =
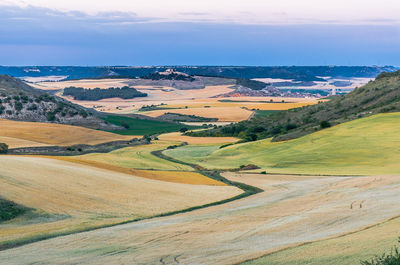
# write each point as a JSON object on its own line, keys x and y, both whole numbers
{"x": 290, "y": 211}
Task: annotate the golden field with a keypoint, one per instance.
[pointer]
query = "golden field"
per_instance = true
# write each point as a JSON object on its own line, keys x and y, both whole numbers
{"x": 273, "y": 220}
{"x": 29, "y": 134}
{"x": 237, "y": 109}
{"x": 185, "y": 177}
{"x": 226, "y": 114}
{"x": 69, "y": 197}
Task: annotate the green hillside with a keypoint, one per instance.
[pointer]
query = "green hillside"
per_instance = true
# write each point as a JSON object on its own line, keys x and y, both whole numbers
{"x": 365, "y": 146}
{"x": 379, "y": 96}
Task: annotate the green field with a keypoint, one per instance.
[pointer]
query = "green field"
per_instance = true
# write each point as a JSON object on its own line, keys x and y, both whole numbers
{"x": 137, "y": 157}
{"x": 143, "y": 127}
{"x": 367, "y": 146}
{"x": 348, "y": 249}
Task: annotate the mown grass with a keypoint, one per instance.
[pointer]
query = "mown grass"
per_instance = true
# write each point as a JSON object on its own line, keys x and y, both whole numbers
{"x": 366, "y": 146}
{"x": 348, "y": 249}
{"x": 143, "y": 127}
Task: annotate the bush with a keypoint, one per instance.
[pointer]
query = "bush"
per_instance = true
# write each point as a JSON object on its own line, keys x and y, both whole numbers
{"x": 18, "y": 106}
{"x": 183, "y": 130}
{"x": 325, "y": 124}
{"x": 125, "y": 125}
{"x": 3, "y": 148}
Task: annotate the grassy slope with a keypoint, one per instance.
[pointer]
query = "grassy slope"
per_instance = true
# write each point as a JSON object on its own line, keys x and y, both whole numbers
{"x": 349, "y": 249}
{"x": 143, "y": 127}
{"x": 365, "y": 146}
{"x": 137, "y": 157}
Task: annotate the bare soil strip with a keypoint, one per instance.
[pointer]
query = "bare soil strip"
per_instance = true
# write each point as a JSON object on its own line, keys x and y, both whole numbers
{"x": 292, "y": 210}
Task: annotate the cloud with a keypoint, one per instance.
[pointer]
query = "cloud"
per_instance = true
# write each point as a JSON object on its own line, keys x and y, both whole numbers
{"x": 15, "y": 15}
{"x": 37, "y": 35}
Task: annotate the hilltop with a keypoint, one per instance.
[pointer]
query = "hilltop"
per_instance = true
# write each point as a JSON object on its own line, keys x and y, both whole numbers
{"x": 379, "y": 96}
{"x": 21, "y": 102}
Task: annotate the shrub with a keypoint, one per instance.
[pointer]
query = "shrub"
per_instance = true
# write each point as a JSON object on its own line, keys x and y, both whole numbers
{"x": 125, "y": 125}
{"x": 325, "y": 124}
{"x": 18, "y": 106}
{"x": 3, "y": 148}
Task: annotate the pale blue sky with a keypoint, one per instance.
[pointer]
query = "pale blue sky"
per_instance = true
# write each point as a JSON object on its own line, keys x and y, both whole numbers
{"x": 183, "y": 32}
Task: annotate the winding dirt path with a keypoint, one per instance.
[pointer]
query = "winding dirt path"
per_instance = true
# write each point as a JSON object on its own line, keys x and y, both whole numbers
{"x": 292, "y": 210}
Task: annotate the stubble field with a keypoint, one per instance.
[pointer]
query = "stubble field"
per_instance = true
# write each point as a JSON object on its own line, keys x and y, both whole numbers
{"x": 69, "y": 197}
{"x": 275, "y": 219}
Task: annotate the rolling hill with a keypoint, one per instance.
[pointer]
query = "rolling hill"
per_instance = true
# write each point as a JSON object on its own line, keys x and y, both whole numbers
{"x": 379, "y": 96}
{"x": 30, "y": 134}
{"x": 366, "y": 146}
{"x": 59, "y": 197}
{"x": 21, "y": 102}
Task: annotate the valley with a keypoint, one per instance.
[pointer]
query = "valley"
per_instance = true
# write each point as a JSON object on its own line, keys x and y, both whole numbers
{"x": 191, "y": 173}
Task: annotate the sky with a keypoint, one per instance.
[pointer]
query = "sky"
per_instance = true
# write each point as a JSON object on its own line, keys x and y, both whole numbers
{"x": 200, "y": 32}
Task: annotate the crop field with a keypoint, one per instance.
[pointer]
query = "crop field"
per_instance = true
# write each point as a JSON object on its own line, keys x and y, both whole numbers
{"x": 142, "y": 127}
{"x": 156, "y": 95}
{"x": 69, "y": 197}
{"x": 188, "y": 101}
{"x": 178, "y": 137}
{"x": 226, "y": 114}
{"x": 241, "y": 104}
{"x": 137, "y": 157}
{"x": 85, "y": 83}
{"x": 186, "y": 177}
{"x": 361, "y": 147}
{"x": 24, "y": 134}
{"x": 273, "y": 220}
{"x": 17, "y": 143}
{"x": 226, "y": 110}
{"x": 348, "y": 249}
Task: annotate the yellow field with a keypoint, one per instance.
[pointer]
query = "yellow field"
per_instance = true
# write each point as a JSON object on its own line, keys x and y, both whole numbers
{"x": 248, "y": 105}
{"x": 228, "y": 111}
{"x": 228, "y": 114}
{"x": 175, "y": 98}
{"x": 291, "y": 210}
{"x": 85, "y": 83}
{"x": 69, "y": 197}
{"x": 169, "y": 176}
{"x": 348, "y": 249}
{"x": 23, "y": 134}
{"x": 17, "y": 143}
{"x": 178, "y": 137}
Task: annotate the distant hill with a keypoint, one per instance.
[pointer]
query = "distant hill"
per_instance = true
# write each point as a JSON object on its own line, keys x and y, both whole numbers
{"x": 379, "y": 96}
{"x": 299, "y": 73}
{"x": 169, "y": 74}
{"x": 21, "y": 102}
